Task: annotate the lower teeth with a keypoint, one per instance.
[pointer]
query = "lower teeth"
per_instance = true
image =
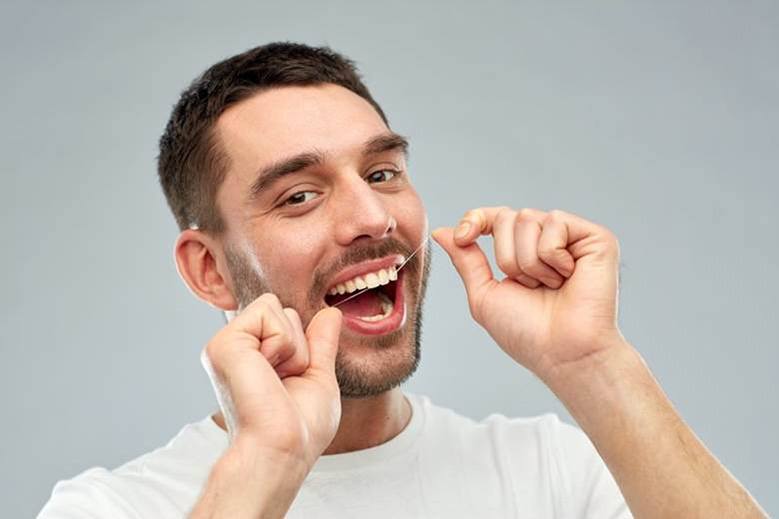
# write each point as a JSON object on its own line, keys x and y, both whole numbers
{"x": 386, "y": 308}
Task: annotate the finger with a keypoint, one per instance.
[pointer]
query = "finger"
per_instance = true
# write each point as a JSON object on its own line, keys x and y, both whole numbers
{"x": 469, "y": 261}
{"x": 299, "y": 335}
{"x": 323, "y": 334}
{"x": 505, "y": 248}
{"x": 475, "y": 223}
{"x": 529, "y": 282}
{"x": 527, "y": 232}
{"x": 480, "y": 221}
{"x": 256, "y": 324}
{"x": 552, "y": 245}
{"x": 504, "y": 243}
{"x": 281, "y": 347}
{"x": 585, "y": 237}
{"x": 298, "y": 362}
{"x": 263, "y": 320}
{"x": 259, "y": 319}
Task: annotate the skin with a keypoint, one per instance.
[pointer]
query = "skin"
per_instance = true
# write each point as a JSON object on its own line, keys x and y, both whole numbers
{"x": 345, "y": 213}
{"x": 553, "y": 310}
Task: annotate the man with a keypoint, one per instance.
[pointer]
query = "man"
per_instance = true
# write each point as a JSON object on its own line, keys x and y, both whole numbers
{"x": 298, "y": 219}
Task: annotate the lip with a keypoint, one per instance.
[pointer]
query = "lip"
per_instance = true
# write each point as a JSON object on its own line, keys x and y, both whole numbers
{"x": 364, "y": 268}
{"x": 392, "y": 322}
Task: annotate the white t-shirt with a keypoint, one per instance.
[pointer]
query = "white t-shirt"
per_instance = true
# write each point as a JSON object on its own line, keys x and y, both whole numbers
{"x": 441, "y": 465}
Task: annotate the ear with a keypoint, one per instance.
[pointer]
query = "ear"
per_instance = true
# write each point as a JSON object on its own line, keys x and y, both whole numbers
{"x": 202, "y": 267}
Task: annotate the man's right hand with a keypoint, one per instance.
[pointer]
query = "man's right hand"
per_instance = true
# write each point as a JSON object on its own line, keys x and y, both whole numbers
{"x": 276, "y": 383}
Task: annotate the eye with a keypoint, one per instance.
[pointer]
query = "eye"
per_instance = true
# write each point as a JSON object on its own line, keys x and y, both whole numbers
{"x": 382, "y": 175}
{"x": 301, "y": 197}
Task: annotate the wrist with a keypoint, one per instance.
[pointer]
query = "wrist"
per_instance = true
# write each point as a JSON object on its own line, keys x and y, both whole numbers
{"x": 246, "y": 452}
{"x": 609, "y": 388}
{"x": 597, "y": 378}
{"x": 251, "y": 481}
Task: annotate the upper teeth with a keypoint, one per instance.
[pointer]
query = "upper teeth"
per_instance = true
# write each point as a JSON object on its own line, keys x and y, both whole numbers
{"x": 370, "y": 280}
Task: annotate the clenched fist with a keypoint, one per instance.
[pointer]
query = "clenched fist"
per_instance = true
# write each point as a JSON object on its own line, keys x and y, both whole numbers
{"x": 276, "y": 383}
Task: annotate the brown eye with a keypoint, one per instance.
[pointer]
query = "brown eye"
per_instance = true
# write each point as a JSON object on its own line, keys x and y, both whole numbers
{"x": 300, "y": 198}
{"x": 382, "y": 175}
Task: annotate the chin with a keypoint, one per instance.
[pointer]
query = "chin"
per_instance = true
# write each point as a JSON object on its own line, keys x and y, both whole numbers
{"x": 371, "y": 366}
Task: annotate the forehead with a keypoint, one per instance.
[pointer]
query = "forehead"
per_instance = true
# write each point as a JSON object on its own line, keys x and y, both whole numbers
{"x": 282, "y": 122}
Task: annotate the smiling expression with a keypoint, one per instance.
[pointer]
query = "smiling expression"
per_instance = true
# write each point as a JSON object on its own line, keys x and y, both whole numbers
{"x": 317, "y": 200}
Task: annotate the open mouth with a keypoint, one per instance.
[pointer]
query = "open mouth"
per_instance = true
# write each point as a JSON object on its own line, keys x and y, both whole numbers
{"x": 371, "y": 303}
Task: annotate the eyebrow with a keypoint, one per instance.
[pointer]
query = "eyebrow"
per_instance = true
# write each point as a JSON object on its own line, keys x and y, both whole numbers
{"x": 271, "y": 174}
{"x": 386, "y": 142}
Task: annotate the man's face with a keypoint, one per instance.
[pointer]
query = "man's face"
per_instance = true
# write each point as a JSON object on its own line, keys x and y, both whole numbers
{"x": 317, "y": 201}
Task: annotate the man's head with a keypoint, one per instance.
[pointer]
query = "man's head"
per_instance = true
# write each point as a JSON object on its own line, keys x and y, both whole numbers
{"x": 284, "y": 177}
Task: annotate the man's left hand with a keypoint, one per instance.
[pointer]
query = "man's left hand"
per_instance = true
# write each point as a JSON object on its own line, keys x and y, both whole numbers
{"x": 558, "y": 302}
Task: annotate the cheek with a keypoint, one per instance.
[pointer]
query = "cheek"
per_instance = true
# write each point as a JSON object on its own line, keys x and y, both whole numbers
{"x": 290, "y": 258}
{"x": 412, "y": 217}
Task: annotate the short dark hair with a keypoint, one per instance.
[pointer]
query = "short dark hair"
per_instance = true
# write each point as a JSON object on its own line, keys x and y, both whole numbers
{"x": 191, "y": 164}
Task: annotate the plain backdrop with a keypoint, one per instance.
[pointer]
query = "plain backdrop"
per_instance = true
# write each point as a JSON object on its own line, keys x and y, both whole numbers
{"x": 656, "y": 119}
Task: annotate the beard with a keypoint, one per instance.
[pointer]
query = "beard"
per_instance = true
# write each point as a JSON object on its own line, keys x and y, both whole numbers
{"x": 393, "y": 357}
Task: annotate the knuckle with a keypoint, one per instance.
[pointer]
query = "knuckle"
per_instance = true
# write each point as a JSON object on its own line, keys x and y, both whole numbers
{"x": 471, "y": 214}
{"x": 475, "y": 216}
{"x": 556, "y": 215}
{"x": 608, "y": 235}
{"x": 505, "y": 216}
{"x": 269, "y": 298}
{"x": 526, "y": 213}
{"x": 503, "y": 211}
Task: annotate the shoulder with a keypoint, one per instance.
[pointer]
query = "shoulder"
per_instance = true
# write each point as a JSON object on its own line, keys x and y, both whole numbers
{"x": 91, "y": 494}
{"x": 166, "y": 479}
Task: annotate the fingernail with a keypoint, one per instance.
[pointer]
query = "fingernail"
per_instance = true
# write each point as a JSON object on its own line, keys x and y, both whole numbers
{"x": 462, "y": 229}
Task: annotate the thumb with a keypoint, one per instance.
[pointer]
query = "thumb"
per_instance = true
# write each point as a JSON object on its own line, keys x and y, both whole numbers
{"x": 470, "y": 261}
{"x": 322, "y": 335}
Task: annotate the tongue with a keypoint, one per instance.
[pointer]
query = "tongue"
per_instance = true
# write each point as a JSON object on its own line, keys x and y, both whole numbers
{"x": 363, "y": 305}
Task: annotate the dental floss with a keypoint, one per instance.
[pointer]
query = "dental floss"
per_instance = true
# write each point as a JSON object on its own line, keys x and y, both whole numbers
{"x": 397, "y": 269}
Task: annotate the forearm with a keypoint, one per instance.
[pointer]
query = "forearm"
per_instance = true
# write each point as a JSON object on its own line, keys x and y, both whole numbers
{"x": 247, "y": 482}
{"x": 661, "y": 467}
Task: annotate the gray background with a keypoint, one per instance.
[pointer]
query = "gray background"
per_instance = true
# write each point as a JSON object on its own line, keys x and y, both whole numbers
{"x": 658, "y": 120}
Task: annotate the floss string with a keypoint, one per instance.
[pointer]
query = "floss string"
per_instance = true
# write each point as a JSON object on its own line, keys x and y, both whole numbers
{"x": 397, "y": 269}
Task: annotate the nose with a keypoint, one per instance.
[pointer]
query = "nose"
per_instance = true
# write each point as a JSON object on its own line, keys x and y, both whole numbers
{"x": 361, "y": 214}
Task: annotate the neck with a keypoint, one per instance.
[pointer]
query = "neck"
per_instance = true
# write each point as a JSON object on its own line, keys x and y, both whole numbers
{"x": 365, "y": 422}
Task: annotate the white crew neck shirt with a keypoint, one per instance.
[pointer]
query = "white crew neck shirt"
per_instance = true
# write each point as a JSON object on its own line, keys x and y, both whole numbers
{"x": 441, "y": 465}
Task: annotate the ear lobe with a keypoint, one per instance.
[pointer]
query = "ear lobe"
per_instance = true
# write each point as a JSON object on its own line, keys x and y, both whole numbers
{"x": 197, "y": 264}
